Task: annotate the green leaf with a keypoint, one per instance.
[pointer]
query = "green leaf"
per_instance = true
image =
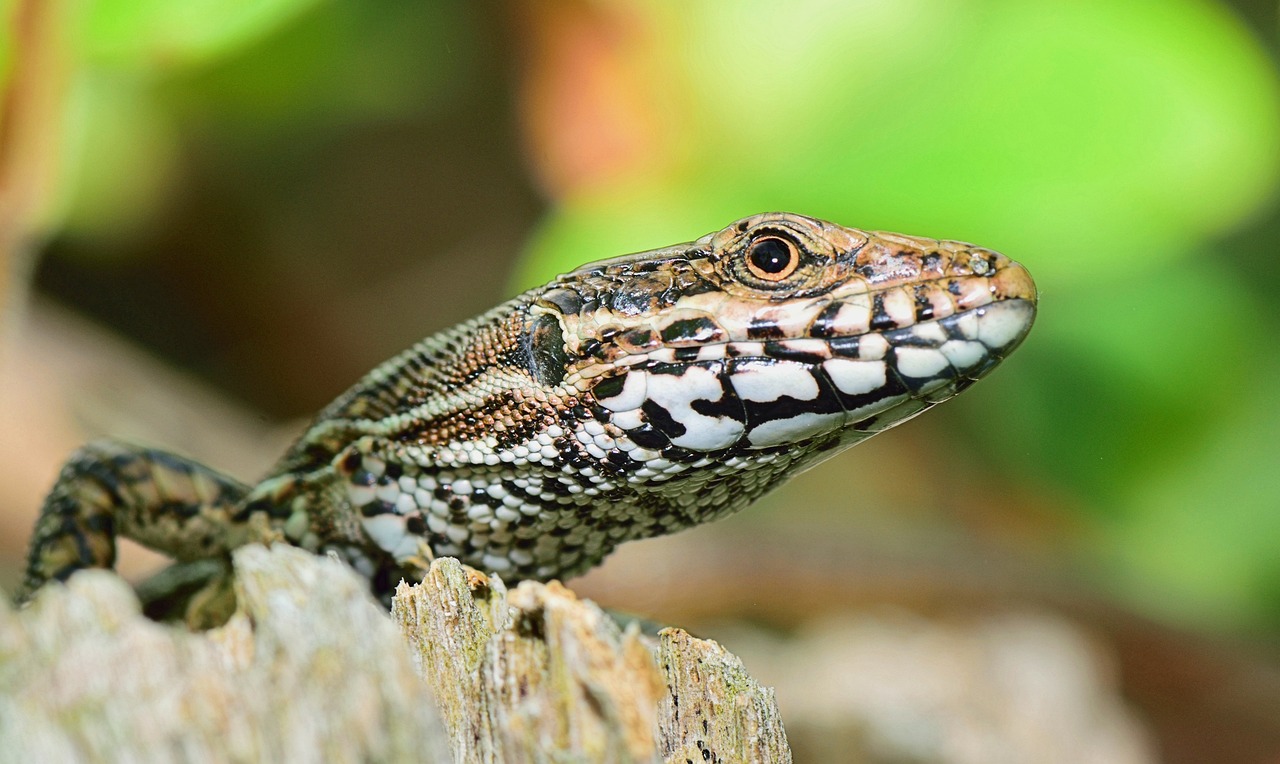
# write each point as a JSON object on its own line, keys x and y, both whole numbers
{"x": 1202, "y": 539}
{"x": 164, "y": 34}
{"x": 341, "y": 62}
{"x": 119, "y": 156}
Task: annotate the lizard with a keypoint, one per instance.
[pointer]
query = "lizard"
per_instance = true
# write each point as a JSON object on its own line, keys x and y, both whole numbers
{"x": 633, "y": 397}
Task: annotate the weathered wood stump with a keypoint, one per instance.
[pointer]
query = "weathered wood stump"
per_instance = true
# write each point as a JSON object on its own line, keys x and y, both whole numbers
{"x": 311, "y": 669}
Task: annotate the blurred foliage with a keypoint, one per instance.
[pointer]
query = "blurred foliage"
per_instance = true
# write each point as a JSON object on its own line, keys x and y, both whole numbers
{"x": 1112, "y": 146}
{"x": 1203, "y": 526}
{"x": 157, "y": 34}
{"x": 1088, "y": 134}
{"x": 154, "y": 69}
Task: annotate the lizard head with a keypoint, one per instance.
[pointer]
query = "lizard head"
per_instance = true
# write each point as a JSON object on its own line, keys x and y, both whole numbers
{"x": 778, "y": 331}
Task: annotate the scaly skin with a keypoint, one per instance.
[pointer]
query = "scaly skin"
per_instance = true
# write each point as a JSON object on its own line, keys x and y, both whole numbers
{"x": 630, "y": 398}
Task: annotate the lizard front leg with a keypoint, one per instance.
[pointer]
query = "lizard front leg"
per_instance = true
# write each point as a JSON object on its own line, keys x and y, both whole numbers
{"x": 109, "y": 489}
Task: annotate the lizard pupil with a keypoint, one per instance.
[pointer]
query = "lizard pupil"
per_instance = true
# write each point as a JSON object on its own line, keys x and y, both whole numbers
{"x": 772, "y": 258}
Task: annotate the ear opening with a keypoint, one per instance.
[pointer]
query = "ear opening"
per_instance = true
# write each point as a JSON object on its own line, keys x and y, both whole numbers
{"x": 544, "y": 350}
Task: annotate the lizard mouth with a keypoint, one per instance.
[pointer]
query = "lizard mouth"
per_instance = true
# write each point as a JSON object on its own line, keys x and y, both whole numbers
{"x": 756, "y": 394}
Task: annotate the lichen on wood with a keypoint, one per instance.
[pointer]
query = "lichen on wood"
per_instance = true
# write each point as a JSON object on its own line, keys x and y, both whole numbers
{"x": 713, "y": 710}
{"x": 311, "y": 669}
{"x": 308, "y": 669}
{"x": 536, "y": 674}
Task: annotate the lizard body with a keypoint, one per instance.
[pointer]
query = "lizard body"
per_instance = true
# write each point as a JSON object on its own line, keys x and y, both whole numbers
{"x": 630, "y": 398}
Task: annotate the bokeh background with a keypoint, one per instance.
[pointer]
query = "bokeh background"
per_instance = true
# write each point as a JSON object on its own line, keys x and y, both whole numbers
{"x": 214, "y": 216}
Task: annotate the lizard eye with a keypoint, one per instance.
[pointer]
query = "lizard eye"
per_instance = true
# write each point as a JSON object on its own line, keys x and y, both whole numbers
{"x": 772, "y": 258}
